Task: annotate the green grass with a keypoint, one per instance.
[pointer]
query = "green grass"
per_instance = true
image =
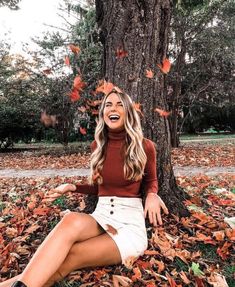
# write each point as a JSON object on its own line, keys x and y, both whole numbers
{"x": 204, "y": 137}
{"x": 228, "y": 272}
{"x": 208, "y": 251}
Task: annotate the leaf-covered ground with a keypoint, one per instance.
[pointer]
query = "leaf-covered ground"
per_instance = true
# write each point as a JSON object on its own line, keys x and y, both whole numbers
{"x": 194, "y": 251}
{"x": 194, "y": 155}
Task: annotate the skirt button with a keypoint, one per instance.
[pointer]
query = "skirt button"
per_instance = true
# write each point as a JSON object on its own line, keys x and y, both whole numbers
{"x": 111, "y": 212}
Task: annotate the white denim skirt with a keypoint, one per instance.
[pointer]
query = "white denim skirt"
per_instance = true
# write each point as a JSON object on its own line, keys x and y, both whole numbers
{"x": 123, "y": 219}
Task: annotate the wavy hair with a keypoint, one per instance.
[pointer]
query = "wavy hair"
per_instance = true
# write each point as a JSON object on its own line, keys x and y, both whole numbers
{"x": 134, "y": 154}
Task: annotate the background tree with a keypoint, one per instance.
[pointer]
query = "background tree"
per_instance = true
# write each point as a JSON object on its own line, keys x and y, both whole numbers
{"x": 196, "y": 44}
{"x": 134, "y": 35}
{"x": 12, "y": 4}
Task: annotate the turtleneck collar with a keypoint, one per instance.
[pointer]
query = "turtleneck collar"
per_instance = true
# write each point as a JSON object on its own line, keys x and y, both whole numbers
{"x": 116, "y": 135}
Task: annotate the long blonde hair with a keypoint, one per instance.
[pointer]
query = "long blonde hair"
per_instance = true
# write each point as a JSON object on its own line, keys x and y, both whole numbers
{"x": 134, "y": 154}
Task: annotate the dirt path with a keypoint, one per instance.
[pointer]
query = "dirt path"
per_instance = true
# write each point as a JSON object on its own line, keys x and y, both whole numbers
{"x": 179, "y": 171}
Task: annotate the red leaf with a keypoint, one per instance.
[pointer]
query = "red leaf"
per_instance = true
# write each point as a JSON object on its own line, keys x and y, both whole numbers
{"x": 162, "y": 113}
{"x": 165, "y": 66}
{"x": 121, "y": 53}
{"x": 82, "y": 131}
{"x": 74, "y": 95}
{"x": 78, "y": 83}
{"x": 74, "y": 49}
{"x": 67, "y": 61}
{"x": 149, "y": 73}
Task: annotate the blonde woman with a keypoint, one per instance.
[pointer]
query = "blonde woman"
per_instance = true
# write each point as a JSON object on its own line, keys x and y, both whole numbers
{"x": 122, "y": 161}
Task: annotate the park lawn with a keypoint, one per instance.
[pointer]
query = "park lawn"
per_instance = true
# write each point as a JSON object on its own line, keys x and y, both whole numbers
{"x": 194, "y": 251}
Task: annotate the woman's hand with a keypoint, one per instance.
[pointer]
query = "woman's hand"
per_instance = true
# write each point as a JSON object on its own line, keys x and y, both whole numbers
{"x": 153, "y": 205}
{"x": 58, "y": 191}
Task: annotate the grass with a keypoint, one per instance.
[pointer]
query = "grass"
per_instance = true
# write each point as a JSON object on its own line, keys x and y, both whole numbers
{"x": 205, "y": 137}
{"x": 229, "y": 273}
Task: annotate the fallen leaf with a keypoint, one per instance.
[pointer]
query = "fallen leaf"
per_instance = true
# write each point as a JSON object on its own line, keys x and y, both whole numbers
{"x": 119, "y": 280}
{"x": 217, "y": 280}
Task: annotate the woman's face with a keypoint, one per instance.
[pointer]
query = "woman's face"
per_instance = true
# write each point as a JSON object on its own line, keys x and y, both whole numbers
{"x": 114, "y": 113}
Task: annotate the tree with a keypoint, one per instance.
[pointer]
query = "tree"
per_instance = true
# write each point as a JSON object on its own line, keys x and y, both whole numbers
{"x": 195, "y": 48}
{"x": 12, "y": 4}
{"x": 134, "y": 35}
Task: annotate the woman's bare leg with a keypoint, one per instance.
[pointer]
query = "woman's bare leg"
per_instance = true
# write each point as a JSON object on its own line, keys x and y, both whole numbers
{"x": 74, "y": 227}
{"x": 97, "y": 251}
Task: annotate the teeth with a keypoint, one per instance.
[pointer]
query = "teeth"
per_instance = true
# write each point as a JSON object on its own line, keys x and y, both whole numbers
{"x": 114, "y": 117}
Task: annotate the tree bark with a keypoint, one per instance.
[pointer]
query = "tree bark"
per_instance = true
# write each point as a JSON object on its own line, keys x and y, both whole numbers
{"x": 140, "y": 27}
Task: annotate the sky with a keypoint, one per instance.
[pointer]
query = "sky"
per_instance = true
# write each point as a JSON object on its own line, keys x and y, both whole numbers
{"x": 18, "y": 26}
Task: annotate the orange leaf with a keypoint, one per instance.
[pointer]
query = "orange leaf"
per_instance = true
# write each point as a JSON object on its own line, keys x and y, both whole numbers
{"x": 137, "y": 274}
{"x": 184, "y": 278}
{"x": 136, "y": 106}
{"x": 78, "y": 83}
{"x": 162, "y": 113}
{"x": 121, "y": 53}
{"x": 74, "y": 49}
{"x": 171, "y": 281}
{"x": 118, "y": 279}
{"x": 165, "y": 66}
{"x": 104, "y": 87}
{"x": 67, "y": 61}
{"x": 223, "y": 251}
{"x": 151, "y": 252}
{"x": 41, "y": 211}
{"x": 82, "y": 131}
{"x": 111, "y": 229}
{"x": 74, "y": 95}
{"x": 161, "y": 266}
{"x": 149, "y": 73}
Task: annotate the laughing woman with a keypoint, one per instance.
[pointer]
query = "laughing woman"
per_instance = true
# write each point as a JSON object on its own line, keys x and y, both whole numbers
{"x": 122, "y": 163}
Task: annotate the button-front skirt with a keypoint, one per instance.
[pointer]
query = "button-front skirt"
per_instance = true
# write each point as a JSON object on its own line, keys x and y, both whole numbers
{"x": 123, "y": 219}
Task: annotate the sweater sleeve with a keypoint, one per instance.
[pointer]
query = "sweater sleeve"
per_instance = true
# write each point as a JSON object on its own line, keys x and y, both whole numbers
{"x": 149, "y": 182}
{"x": 88, "y": 188}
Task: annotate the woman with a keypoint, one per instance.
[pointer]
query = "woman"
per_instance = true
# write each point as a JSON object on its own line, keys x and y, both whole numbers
{"x": 122, "y": 161}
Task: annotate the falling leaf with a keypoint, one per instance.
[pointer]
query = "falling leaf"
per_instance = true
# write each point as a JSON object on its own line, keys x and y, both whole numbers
{"x": 165, "y": 66}
{"x": 78, "y": 84}
{"x": 149, "y": 73}
{"x": 48, "y": 120}
{"x": 111, "y": 229}
{"x": 119, "y": 280}
{"x": 162, "y": 113}
{"x": 83, "y": 131}
{"x": 104, "y": 87}
{"x": 75, "y": 49}
{"x": 74, "y": 95}
{"x": 67, "y": 61}
{"x": 121, "y": 53}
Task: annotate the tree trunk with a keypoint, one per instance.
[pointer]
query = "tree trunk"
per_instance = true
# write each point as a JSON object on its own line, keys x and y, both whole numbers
{"x": 140, "y": 27}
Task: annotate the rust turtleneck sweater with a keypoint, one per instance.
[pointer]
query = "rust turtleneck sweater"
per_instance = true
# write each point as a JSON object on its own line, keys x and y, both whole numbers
{"x": 114, "y": 183}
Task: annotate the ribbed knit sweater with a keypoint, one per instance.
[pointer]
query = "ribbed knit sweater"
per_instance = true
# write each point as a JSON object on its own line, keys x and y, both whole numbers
{"x": 114, "y": 183}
